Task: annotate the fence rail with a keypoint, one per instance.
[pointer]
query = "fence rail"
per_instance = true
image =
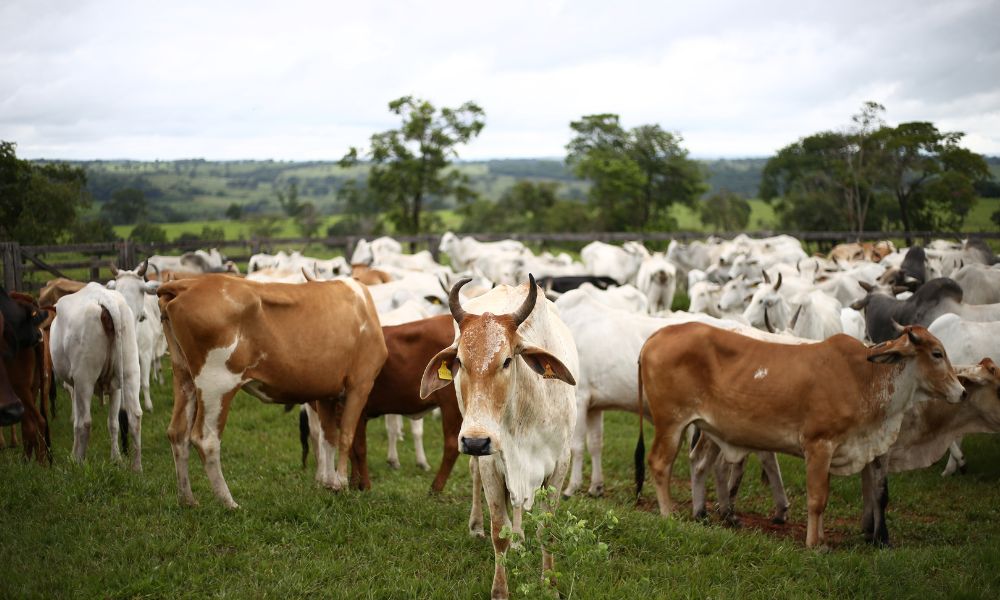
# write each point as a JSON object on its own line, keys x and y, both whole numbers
{"x": 18, "y": 261}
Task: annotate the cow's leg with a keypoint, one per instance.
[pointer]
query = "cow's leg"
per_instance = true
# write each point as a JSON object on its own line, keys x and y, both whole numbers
{"x": 595, "y": 442}
{"x": 956, "y": 459}
{"x": 33, "y": 426}
{"x": 144, "y": 368}
{"x": 3, "y": 440}
{"x": 550, "y": 502}
{"x": 417, "y": 429}
{"x": 476, "y": 512}
{"x": 82, "y": 391}
{"x": 666, "y": 443}
{"x": 727, "y": 500}
{"x": 451, "y": 424}
{"x": 329, "y": 413}
{"x": 359, "y": 456}
{"x": 179, "y": 433}
{"x": 818, "y": 455}
{"x": 577, "y": 444}
{"x": 772, "y": 472}
{"x": 213, "y": 409}
{"x": 496, "y": 496}
{"x": 704, "y": 455}
{"x": 880, "y": 497}
{"x": 867, "y": 502}
{"x": 316, "y": 434}
{"x": 394, "y": 431}
{"x": 357, "y": 397}
{"x": 114, "y": 407}
{"x": 134, "y": 415}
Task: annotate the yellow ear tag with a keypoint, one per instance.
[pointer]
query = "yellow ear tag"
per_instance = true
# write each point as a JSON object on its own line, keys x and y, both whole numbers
{"x": 548, "y": 374}
{"x": 444, "y": 372}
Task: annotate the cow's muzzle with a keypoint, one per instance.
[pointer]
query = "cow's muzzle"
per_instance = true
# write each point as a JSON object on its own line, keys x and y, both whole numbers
{"x": 12, "y": 414}
{"x": 475, "y": 446}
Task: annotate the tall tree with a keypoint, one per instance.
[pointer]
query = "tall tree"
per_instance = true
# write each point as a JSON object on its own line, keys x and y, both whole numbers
{"x": 929, "y": 173}
{"x": 725, "y": 211}
{"x": 38, "y": 203}
{"x": 409, "y": 164}
{"x": 635, "y": 174}
{"x": 127, "y": 206}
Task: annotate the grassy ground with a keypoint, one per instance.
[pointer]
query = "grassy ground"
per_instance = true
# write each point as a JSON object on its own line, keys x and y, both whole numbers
{"x": 98, "y": 530}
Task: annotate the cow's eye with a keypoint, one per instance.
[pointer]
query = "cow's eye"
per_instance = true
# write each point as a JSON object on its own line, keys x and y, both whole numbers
{"x": 506, "y": 363}
{"x": 937, "y": 354}
{"x": 456, "y": 364}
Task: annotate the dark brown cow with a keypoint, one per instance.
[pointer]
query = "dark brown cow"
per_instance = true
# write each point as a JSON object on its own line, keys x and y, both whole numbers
{"x": 368, "y": 275}
{"x": 286, "y": 343}
{"x": 836, "y": 403}
{"x": 11, "y": 407}
{"x": 23, "y": 361}
{"x": 397, "y": 391}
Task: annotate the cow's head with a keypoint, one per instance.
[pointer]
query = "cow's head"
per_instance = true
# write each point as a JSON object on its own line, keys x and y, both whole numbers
{"x": 768, "y": 309}
{"x": 132, "y": 287}
{"x": 22, "y": 319}
{"x": 486, "y": 362}
{"x": 982, "y": 388}
{"x": 918, "y": 348}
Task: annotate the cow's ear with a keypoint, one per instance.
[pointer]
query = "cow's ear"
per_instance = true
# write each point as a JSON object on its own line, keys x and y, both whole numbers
{"x": 885, "y": 356}
{"x": 152, "y": 286}
{"x": 438, "y": 372}
{"x": 860, "y": 304}
{"x": 545, "y": 364}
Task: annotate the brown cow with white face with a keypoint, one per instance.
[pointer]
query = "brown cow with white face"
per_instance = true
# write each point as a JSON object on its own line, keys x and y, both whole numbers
{"x": 285, "y": 343}
{"x": 836, "y": 403}
{"x": 511, "y": 363}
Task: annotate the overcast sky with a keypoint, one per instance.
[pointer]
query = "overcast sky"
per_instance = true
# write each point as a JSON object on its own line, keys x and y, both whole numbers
{"x": 299, "y": 80}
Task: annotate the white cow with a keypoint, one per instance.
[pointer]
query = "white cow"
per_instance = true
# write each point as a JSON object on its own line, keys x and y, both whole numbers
{"x": 94, "y": 332}
{"x": 622, "y": 297}
{"x": 980, "y": 283}
{"x": 464, "y": 252}
{"x": 657, "y": 279}
{"x": 369, "y": 253}
{"x": 511, "y": 362}
{"x": 151, "y": 343}
{"x": 966, "y": 343}
{"x": 619, "y": 263}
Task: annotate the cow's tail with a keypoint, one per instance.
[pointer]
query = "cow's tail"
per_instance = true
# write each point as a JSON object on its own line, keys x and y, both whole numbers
{"x": 640, "y": 447}
{"x": 118, "y": 330}
{"x": 304, "y": 433}
{"x": 40, "y": 375}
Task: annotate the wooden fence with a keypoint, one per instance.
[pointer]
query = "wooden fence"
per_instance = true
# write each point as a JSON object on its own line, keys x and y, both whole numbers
{"x": 19, "y": 261}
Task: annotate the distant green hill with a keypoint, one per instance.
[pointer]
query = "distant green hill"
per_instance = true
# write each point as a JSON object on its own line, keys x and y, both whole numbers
{"x": 196, "y": 189}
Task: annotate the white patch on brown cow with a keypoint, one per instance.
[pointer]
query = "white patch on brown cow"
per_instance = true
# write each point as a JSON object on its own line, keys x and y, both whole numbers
{"x": 760, "y": 373}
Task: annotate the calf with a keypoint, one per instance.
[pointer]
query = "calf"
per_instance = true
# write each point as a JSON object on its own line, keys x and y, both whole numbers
{"x": 510, "y": 364}
{"x": 22, "y": 352}
{"x": 319, "y": 341}
{"x": 749, "y": 394}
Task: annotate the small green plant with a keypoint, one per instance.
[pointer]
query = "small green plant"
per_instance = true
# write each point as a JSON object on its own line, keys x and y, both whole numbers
{"x": 573, "y": 542}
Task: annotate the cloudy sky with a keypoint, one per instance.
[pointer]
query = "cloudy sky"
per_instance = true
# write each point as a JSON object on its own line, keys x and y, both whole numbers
{"x": 297, "y": 80}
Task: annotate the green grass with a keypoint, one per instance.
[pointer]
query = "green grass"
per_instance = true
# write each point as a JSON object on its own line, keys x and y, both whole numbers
{"x": 98, "y": 530}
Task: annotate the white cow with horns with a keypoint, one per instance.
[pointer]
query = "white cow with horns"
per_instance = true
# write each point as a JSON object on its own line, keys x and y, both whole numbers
{"x": 511, "y": 363}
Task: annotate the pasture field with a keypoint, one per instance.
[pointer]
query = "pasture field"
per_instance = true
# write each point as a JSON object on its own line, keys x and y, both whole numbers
{"x": 100, "y": 531}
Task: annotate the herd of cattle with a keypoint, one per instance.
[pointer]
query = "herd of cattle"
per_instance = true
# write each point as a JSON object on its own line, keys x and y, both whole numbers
{"x": 847, "y": 360}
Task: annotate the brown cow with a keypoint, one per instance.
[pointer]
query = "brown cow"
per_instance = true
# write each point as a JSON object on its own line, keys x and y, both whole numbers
{"x": 397, "y": 391}
{"x": 11, "y": 407}
{"x": 318, "y": 341}
{"x": 836, "y": 403}
{"x": 855, "y": 252}
{"x": 369, "y": 276}
{"x": 56, "y": 288}
{"x": 23, "y": 354}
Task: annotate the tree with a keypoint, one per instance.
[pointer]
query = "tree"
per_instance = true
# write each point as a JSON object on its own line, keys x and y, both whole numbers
{"x": 409, "y": 164}
{"x": 39, "y": 204}
{"x": 127, "y": 206}
{"x": 929, "y": 174}
{"x": 148, "y": 233}
{"x": 635, "y": 174}
{"x": 92, "y": 231}
{"x": 288, "y": 200}
{"x": 725, "y": 211}
{"x": 234, "y": 212}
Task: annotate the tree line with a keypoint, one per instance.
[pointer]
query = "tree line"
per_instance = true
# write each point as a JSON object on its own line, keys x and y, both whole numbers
{"x": 868, "y": 176}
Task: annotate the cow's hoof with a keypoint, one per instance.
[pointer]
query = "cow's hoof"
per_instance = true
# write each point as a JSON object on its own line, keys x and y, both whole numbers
{"x": 477, "y": 532}
{"x": 596, "y": 491}
{"x": 187, "y": 501}
{"x": 701, "y": 515}
{"x": 778, "y": 519}
{"x": 424, "y": 466}
{"x": 394, "y": 464}
{"x": 962, "y": 469}
{"x": 731, "y": 520}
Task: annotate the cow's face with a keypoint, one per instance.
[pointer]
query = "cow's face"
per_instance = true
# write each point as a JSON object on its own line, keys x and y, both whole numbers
{"x": 21, "y": 322}
{"x": 486, "y": 363}
{"x": 768, "y": 309}
{"x": 982, "y": 386}
{"x": 132, "y": 287}
{"x": 934, "y": 374}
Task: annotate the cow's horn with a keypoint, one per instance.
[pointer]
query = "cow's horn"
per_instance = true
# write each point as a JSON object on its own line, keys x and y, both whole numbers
{"x": 521, "y": 314}
{"x": 795, "y": 319}
{"x": 305, "y": 273}
{"x": 767, "y": 322}
{"x": 778, "y": 284}
{"x": 141, "y": 271}
{"x": 454, "y": 303}
{"x": 895, "y": 325}
{"x": 114, "y": 269}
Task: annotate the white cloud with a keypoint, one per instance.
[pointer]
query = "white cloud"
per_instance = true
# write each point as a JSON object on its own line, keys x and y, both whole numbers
{"x": 302, "y": 80}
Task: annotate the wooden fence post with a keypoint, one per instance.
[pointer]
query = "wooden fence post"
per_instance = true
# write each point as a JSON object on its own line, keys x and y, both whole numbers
{"x": 12, "y": 266}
